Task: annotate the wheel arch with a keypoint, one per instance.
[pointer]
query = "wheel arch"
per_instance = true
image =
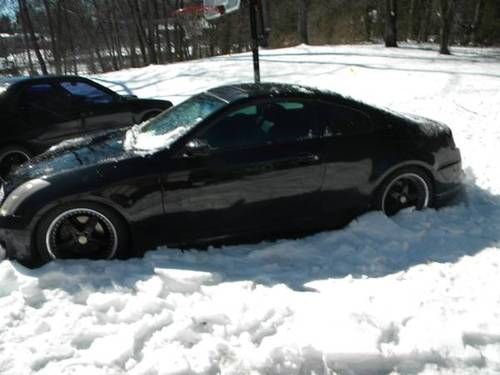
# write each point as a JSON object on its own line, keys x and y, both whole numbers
{"x": 37, "y": 219}
{"x": 389, "y": 173}
{"x": 16, "y": 145}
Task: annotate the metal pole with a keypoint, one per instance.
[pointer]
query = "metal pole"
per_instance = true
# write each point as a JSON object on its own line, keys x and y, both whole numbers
{"x": 255, "y": 40}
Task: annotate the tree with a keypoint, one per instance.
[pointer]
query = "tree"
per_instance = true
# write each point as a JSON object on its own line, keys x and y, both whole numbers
{"x": 5, "y": 25}
{"x": 26, "y": 19}
{"x": 391, "y": 34}
{"x": 426, "y": 9}
{"x": 302, "y": 21}
{"x": 478, "y": 18}
{"x": 447, "y": 16}
{"x": 53, "y": 38}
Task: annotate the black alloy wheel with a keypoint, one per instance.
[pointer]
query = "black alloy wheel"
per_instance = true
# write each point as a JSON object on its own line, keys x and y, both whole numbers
{"x": 408, "y": 188}
{"x": 86, "y": 231}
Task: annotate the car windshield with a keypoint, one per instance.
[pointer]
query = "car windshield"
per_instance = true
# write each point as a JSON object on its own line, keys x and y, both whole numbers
{"x": 164, "y": 129}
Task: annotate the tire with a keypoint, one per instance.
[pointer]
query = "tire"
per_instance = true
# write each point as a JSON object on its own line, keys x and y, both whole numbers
{"x": 407, "y": 187}
{"x": 81, "y": 231}
{"x": 11, "y": 157}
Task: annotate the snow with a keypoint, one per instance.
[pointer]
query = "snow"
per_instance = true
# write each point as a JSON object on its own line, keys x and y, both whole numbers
{"x": 413, "y": 294}
{"x": 148, "y": 143}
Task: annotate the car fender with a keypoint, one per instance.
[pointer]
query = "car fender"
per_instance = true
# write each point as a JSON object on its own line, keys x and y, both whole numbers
{"x": 380, "y": 175}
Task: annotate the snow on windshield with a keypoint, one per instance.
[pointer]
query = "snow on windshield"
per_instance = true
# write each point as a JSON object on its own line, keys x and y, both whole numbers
{"x": 148, "y": 142}
{"x": 162, "y": 131}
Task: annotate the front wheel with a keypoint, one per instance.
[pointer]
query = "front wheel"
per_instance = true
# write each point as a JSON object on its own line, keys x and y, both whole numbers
{"x": 11, "y": 158}
{"x": 86, "y": 230}
{"x": 409, "y": 187}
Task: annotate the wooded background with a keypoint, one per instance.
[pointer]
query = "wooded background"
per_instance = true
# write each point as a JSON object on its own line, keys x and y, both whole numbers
{"x": 91, "y": 36}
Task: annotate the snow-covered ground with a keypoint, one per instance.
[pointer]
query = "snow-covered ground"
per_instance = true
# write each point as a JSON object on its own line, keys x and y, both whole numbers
{"x": 414, "y": 294}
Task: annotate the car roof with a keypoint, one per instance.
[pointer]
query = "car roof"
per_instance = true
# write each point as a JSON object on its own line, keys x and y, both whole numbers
{"x": 234, "y": 92}
{"x": 7, "y": 82}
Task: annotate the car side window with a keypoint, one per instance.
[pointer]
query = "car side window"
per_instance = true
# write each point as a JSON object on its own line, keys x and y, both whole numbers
{"x": 87, "y": 93}
{"x": 44, "y": 98}
{"x": 339, "y": 120}
{"x": 260, "y": 124}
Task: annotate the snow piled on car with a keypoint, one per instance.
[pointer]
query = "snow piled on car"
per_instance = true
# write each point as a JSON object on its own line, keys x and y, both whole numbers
{"x": 147, "y": 143}
{"x": 413, "y": 294}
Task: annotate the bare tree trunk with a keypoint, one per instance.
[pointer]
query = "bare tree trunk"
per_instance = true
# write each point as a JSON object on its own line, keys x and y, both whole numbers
{"x": 478, "y": 20}
{"x": 130, "y": 35}
{"x": 102, "y": 63}
{"x": 23, "y": 7}
{"x": 302, "y": 21}
{"x": 115, "y": 35}
{"x": 141, "y": 34}
{"x": 70, "y": 38}
{"x": 53, "y": 38}
{"x": 168, "y": 44}
{"x": 423, "y": 34}
{"x": 447, "y": 15}
{"x": 266, "y": 15}
{"x": 32, "y": 70}
{"x": 150, "y": 36}
{"x": 415, "y": 19}
{"x": 391, "y": 35}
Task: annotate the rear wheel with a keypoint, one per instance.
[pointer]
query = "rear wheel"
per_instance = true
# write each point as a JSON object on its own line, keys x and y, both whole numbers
{"x": 84, "y": 230}
{"x": 11, "y": 158}
{"x": 409, "y": 187}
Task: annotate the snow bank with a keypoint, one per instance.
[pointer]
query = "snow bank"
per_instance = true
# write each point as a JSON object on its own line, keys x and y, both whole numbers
{"x": 414, "y": 294}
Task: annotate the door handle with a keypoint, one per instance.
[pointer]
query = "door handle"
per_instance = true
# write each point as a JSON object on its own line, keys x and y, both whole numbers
{"x": 297, "y": 160}
{"x": 307, "y": 157}
{"x": 304, "y": 158}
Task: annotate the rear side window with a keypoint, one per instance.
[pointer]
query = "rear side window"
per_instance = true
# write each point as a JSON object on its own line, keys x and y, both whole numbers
{"x": 86, "y": 92}
{"x": 45, "y": 98}
{"x": 339, "y": 120}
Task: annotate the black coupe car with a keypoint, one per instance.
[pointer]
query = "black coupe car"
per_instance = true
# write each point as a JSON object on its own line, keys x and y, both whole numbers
{"x": 231, "y": 162}
{"x": 37, "y": 113}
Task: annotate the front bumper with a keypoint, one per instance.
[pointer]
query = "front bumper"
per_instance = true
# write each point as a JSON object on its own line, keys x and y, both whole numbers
{"x": 15, "y": 237}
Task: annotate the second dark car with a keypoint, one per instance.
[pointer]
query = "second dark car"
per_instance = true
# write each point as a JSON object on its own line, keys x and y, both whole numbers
{"x": 231, "y": 162}
{"x": 37, "y": 113}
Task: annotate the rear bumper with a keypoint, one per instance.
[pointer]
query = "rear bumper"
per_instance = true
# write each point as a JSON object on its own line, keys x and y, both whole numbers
{"x": 449, "y": 187}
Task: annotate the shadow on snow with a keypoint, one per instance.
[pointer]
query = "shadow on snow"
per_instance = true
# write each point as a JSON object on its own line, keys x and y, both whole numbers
{"x": 370, "y": 246}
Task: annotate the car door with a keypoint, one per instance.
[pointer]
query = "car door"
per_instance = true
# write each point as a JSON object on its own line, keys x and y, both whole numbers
{"x": 48, "y": 114}
{"x": 258, "y": 168}
{"x": 350, "y": 147}
{"x": 99, "y": 108}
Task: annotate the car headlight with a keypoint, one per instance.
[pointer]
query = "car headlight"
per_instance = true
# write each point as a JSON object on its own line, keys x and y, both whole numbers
{"x": 17, "y": 197}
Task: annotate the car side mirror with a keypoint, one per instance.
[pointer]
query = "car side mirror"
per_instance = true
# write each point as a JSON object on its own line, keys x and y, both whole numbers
{"x": 198, "y": 148}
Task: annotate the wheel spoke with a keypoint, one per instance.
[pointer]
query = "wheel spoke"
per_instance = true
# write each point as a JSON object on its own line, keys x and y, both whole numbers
{"x": 75, "y": 223}
{"x": 90, "y": 225}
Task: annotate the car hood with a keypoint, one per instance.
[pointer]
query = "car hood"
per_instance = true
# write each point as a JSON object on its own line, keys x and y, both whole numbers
{"x": 70, "y": 155}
